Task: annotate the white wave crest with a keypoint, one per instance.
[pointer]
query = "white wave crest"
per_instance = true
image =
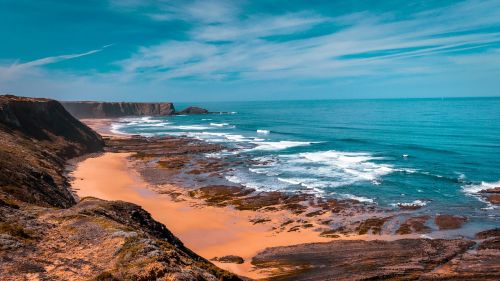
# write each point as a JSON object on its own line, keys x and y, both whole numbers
{"x": 420, "y": 203}
{"x": 325, "y": 169}
{"x": 263, "y": 132}
{"x": 476, "y": 188}
{"x": 116, "y": 128}
{"x": 357, "y": 198}
{"x": 290, "y": 181}
{"x": 278, "y": 145}
{"x": 219, "y": 124}
{"x": 190, "y": 127}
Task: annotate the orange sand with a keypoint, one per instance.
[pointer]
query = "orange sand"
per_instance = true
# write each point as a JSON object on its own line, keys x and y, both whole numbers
{"x": 209, "y": 231}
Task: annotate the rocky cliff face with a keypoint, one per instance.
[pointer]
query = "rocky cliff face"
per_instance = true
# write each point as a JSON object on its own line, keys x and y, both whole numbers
{"x": 38, "y": 136}
{"x": 46, "y": 235}
{"x": 117, "y": 109}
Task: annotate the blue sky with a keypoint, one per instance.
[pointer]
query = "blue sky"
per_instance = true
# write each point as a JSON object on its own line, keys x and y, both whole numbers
{"x": 216, "y": 50}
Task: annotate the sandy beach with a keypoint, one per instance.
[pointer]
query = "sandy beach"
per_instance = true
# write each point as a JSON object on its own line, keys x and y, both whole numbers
{"x": 103, "y": 126}
{"x": 209, "y": 231}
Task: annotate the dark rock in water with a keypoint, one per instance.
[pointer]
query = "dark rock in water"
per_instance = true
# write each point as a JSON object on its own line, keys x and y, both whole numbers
{"x": 488, "y": 233}
{"x": 492, "y": 195}
{"x": 449, "y": 221}
{"x": 229, "y": 259}
{"x": 491, "y": 190}
{"x": 94, "y": 109}
{"x": 414, "y": 225}
{"x": 404, "y": 259}
{"x": 37, "y": 137}
{"x": 193, "y": 110}
{"x": 493, "y": 199}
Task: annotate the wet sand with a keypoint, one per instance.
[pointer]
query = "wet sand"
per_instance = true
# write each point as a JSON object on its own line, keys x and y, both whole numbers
{"x": 209, "y": 231}
{"x": 103, "y": 127}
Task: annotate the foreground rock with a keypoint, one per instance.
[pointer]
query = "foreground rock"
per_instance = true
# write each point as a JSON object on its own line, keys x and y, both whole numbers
{"x": 46, "y": 235}
{"x": 478, "y": 263}
{"x": 407, "y": 259}
{"x": 94, "y": 239}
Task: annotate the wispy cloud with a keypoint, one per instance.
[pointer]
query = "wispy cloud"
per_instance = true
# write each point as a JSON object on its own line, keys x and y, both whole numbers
{"x": 204, "y": 11}
{"x": 350, "y": 45}
{"x": 8, "y": 72}
{"x": 224, "y": 44}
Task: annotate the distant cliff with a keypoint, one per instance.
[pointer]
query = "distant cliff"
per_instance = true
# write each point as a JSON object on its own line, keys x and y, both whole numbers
{"x": 91, "y": 109}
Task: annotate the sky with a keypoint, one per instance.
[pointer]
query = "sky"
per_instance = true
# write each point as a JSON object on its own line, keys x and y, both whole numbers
{"x": 218, "y": 50}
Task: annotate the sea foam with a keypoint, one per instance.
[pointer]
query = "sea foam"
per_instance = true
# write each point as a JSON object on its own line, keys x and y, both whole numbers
{"x": 324, "y": 169}
{"x": 278, "y": 145}
{"x": 476, "y": 188}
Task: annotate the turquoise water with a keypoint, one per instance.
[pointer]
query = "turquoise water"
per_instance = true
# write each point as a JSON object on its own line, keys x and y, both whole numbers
{"x": 437, "y": 153}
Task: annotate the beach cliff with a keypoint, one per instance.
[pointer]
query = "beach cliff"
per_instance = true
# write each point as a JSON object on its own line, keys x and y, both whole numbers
{"x": 93, "y": 109}
{"x": 47, "y": 234}
{"x": 96, "y": 109}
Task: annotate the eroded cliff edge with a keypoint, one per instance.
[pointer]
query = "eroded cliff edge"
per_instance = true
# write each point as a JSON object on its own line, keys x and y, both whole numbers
{"x": 38, "y": 136}
{"x": 46, "y": 235}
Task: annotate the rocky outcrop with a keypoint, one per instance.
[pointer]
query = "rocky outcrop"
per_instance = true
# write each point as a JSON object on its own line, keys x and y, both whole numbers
{"x": 193, "y": 110}
{"x": 37, "y": 137}
{"x": 229, "y": 259}
{"x": 92, "y": 109}
{"x": 94, "y": 240}
{"x": 406, "y": 259}
{"x": 492, "y": 195}
{"x": 449, "y": 221}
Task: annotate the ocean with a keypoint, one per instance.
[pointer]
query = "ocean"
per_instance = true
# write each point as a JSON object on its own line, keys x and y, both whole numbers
{"x": 437, "y": 153}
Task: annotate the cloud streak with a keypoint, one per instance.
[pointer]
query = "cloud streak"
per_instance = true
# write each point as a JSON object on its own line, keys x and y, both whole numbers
{"x": 226, "y": 47}
{"x": 9, "y": 72}
{"x": 263, "y": 47}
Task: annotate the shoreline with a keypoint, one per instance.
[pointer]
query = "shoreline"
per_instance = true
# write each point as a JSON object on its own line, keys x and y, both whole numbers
{"x": 222, "y": 228}
{"x": 216, "y": 222}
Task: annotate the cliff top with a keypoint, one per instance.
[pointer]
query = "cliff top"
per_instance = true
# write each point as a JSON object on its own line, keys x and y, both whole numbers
{"x": 11, "y": 98}
{"x": 115, "y": 102}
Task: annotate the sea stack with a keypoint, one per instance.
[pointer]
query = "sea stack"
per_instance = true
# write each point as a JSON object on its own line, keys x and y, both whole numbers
{"x": 193, "y": 110}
